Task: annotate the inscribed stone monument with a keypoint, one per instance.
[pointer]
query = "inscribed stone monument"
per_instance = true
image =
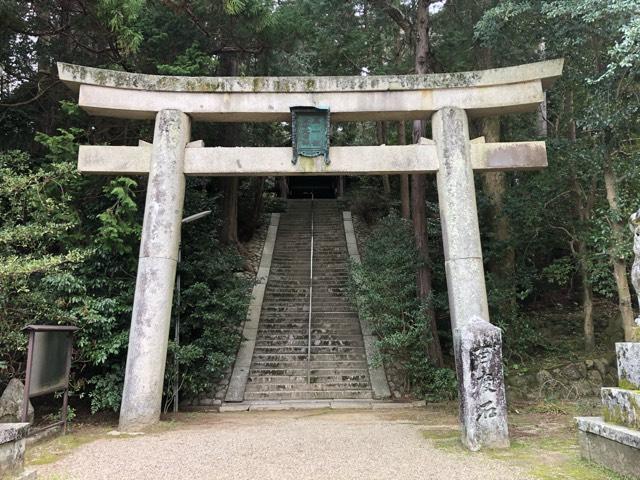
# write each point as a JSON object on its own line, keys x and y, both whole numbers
{"x": 483, "y": 406}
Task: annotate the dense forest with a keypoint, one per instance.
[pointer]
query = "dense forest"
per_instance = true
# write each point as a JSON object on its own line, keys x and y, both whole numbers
{"x": 556, "y": 243}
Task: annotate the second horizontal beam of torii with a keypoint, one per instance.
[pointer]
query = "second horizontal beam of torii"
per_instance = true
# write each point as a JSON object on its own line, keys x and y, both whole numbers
{"x": 276, "y": 161}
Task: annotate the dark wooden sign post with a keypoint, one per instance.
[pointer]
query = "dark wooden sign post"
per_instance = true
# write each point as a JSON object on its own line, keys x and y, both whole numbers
{"x": 48, "y": 366}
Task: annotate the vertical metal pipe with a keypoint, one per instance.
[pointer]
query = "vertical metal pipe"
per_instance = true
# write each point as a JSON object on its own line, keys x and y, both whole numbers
{"x": 65, "y": 397}
{"x": 27, "y": 380}
{"x": 310, "y": 298}
{"x": 176, "y": 385}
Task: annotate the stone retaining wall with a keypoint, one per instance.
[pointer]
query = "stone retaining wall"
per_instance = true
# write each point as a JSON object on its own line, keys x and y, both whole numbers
{"x": 565, "y": 382}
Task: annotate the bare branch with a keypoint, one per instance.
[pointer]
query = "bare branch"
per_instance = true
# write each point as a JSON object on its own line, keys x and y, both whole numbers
{"x": 31, "y": 100}
{"x": 395, "y": 14}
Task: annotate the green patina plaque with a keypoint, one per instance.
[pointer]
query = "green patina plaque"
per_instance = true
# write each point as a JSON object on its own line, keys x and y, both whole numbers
{"x": 50, "y": 350}
{"x": 310, "y": 132}
{"x": 48, "y": 358}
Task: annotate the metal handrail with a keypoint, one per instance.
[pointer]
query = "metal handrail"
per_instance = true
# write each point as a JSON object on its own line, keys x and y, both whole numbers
{"x": 310, "y": 297}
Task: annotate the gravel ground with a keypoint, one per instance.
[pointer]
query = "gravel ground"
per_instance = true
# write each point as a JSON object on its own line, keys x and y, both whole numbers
{"x": 363, "y": 445}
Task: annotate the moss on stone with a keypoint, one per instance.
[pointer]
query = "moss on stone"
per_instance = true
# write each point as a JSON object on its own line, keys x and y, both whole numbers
{"x": 120, "y": 79}
{"x": 614, "y": 415}
{"x": 627, "y": 385}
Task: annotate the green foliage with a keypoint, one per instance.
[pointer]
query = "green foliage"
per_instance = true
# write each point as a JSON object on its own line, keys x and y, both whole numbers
{"x": 368, "y": 201}
{"x": 192, "y": 62}
{"x": 122, "y": 17}
{"x": 213, "y": 304}
{"x": 383, "y": 287}
{"x": 68, "y": 255}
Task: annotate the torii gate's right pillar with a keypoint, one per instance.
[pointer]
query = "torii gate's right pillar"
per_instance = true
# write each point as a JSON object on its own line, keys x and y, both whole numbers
{"x": 477, "y": 343}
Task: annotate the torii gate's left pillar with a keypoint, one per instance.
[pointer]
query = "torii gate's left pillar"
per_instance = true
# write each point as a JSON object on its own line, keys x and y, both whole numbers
{"x": 150, "y": 322}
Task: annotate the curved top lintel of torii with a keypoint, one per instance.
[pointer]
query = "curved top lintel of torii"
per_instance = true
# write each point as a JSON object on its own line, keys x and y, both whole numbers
{"x": 350, "y": 98}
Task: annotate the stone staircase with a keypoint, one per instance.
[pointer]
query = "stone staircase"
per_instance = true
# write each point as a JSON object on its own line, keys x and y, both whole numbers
{"x": 338, "y": 366}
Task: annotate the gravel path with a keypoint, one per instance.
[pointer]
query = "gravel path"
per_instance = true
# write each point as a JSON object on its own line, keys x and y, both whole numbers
{"x": 363, "y": 445}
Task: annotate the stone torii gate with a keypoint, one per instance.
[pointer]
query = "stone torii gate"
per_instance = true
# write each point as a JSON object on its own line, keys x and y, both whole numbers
{"x": 449, "y": 99}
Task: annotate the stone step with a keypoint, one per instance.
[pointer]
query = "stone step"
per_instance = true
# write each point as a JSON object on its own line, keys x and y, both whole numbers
{"x": 302, "y": 325}
{"x": 621, "y": 406}
{"x": 315, "y": 332}
{"x": 316, "y": 343}
{"x": 302, "y": 337}
{"x": 301, "y": 370}
{"x": 308, "y": 395}
{"x": 355, "y": 352}
{"x": 316, "y": 357}
{"x": 314, "y": 365}
{"x": 328, "y": 311}
{"x": 301, "y": 377}
{"x": 302, "y": 316}
{"x": 317, "y": 387}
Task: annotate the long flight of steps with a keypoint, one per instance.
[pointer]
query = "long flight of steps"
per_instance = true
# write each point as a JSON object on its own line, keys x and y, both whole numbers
{"x": 338, "y": 366}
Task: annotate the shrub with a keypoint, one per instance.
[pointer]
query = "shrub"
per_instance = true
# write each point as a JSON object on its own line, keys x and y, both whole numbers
{"x": 68, "y": 255}
{"x": 383, "y": 288}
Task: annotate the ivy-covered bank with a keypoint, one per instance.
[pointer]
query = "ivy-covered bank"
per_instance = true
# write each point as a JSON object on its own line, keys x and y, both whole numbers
{"x": 383, "y": 289}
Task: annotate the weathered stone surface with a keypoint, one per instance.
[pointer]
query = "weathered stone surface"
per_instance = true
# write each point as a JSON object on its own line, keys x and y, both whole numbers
{"x": 628, "y": 354}
{"x": 12, "y": 447}
{"x": 12, "y": 432}
{"x": 75, "y": 75}
{"x": 151, "y": 318}
{"x": 617, "y": 433}
{"x": 458, "y": 213}
{"x": 621, "y": 406}
{"x": 268, "y": 99}
{"x": 274, "y": 161}
{"x": 601, "y": 365}
{"x": 616, "y": 447}
{"x": 456, "y": 189}
{"x": 483, "y": 407}
{"x": 240, "y": 375}
{"x": 606, "y": 452}
{"x": 11, "y": 403}
{"x": 575, "y": 371}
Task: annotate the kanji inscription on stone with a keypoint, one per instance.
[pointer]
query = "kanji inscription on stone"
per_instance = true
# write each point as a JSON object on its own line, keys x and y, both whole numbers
{"x": 483, "y": 407}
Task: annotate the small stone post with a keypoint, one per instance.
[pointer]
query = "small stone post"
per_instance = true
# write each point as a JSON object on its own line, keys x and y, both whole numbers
{"x": 151, "y": 318}
{"x": 463, "y": 262}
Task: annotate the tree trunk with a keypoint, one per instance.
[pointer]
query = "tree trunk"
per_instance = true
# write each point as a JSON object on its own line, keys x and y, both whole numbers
{"x": 541, "y": 118}
{"x": 423, "y": 64}
{"x": 405, "y": 204}
{"x": 619, "y": 264}
{"x": 382, "y": 134}
{"x": 502, "y": 266}
{"x": 584, "y": 208}
{"x": 283, "y": 187}
{"x": 229, "y": 236}
{"x": 257, "y": 204}
{"x": 587, "y": 297}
